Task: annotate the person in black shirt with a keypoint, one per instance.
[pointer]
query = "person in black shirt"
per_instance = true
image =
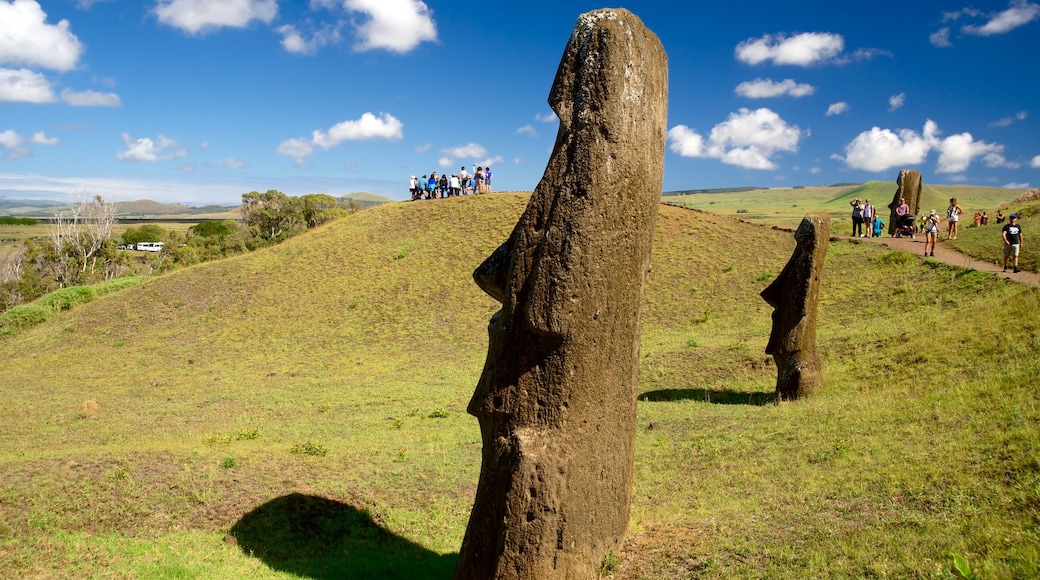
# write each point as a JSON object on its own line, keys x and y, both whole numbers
{"x": 1012, "y": 234}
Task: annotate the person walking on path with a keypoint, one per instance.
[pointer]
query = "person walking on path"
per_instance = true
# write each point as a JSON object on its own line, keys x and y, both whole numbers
{"x": 1012, "y": 234}
{"x": 953, "y": 215}
{"x": 931, "y": 233}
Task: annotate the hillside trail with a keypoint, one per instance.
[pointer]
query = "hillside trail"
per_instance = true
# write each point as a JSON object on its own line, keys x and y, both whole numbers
{"x": 949, "y": 255}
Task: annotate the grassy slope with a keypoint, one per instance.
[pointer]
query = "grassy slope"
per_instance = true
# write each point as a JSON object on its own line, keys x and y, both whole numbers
{"x": 785, "y": 207}
{"x": 365, "y": 338}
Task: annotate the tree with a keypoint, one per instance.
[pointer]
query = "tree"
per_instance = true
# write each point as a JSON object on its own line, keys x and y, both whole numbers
{"x": 145, "y": 233}
{"x": 78, "y": 233}
{"x": 272, "y": 215}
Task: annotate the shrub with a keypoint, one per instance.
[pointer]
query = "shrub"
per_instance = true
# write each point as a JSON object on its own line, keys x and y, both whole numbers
{"x": 309, "y": 448}
{"x": 66, "y": 298}
{"x": 118, "y": 284}
{"x": 24, "y": 316}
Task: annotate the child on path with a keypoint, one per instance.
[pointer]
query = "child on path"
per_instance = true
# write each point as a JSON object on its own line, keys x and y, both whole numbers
{"x": 931, "y": 233}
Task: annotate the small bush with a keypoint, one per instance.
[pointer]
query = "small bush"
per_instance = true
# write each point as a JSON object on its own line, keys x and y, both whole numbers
{"x": 228, "y": 463}
{"x": 309, "y": 448}
{"x": 400, "y": 254}
{"x": 439, "y": 414}
{"x": 24, "y": 316}
{"x": 247, "y": 434}
{"x": 118, "y": 284}
{"x": 66, "y": 298}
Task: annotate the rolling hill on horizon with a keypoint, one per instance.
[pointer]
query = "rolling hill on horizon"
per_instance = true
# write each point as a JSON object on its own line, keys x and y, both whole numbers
{"x": 334, "y": 370}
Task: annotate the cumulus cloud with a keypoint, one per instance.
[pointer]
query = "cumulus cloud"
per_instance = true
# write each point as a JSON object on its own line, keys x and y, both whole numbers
{"x": 15, "y": 146}
{"x": 26, "y": 39}
{"x": 956, "y": 153}
{"x": 195, "y": 16}
{"x": 394, "y": 25}
{"x": 896, "y": 101}
{"x": 24, "y": 86}
{"x": 881, "y": 149}
{"x": 527, "y": 130}
{"x": 941, "y": 38}
{"x": 765, "y": 88}
{"x": 547, "y": 118}
{"x": 1014, "y": 185}
{"x": 1018, "y": 14}
{"x": 1004, "y": 122}
{"x": 295, "y": 42}
{"x": 145, "y": 150}
{"x": 91, "y": 99}
{"x": 746, "y": 139}
{"x": 472, "y": 152}
{"x": 368, "y": 127}
{"x": 837, "y": 108}
{"x": 806, "y": 49}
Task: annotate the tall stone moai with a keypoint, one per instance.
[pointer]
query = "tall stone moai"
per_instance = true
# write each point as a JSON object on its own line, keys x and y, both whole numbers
{"x": 556, "y": 401}
{"x": 908, "y": 186}
{"x": 795, "y": 297}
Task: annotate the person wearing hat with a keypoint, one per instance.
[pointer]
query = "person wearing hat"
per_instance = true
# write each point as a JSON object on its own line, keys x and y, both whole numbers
{"x": 931, "y": 232}
{"x": 1012, "y": 234}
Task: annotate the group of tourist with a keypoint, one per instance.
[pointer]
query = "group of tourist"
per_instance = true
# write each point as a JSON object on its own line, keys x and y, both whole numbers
{"x": 462, "y": 183}
{"x": 865, "y": 215}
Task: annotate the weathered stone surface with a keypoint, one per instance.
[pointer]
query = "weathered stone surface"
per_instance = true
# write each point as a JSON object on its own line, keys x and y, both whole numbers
{"x": 556, "y": 401}
{"x": 908, "y": 185}
{"x": 795, "y": 297}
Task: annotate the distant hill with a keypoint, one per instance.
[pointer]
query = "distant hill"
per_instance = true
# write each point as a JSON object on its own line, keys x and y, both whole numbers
{"x": 710, "y": 191}
{"x": 366, "y": 200}
{"x": 27, "y": 207}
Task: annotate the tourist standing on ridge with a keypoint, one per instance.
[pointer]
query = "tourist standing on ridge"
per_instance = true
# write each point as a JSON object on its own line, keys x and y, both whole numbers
{"x": 1012, "y": 234}
{"x": 953, "y": 215}
{"x": 487, "y": 180}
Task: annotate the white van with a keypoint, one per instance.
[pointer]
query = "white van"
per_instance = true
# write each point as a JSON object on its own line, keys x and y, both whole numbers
{"x": 149, "y": 246}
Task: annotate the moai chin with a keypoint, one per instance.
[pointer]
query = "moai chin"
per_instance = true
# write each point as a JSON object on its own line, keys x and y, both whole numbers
{"x": 556, "y": 401}
{"x": 795, "y": 297}
{"x": 908, "y": 186}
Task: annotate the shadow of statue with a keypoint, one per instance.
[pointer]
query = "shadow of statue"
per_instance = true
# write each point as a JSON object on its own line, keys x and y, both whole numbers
{"x": 715, "y": 396}
{"x": 314, "y": 537}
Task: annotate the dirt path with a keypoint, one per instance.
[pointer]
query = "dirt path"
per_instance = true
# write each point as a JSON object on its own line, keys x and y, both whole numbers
{"x": 951, "y": 256}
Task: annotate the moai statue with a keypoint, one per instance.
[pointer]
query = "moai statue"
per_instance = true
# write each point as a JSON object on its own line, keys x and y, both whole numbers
{"x": 795, "y": 296}
{"x": 908, "y": 187}
{"x": 556, "y": 401}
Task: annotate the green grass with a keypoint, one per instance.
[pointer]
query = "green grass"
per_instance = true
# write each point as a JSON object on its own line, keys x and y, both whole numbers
{"x": 923, "y": 441}
{"x": 986, "y": 243}
{"x": 785, "y": 207}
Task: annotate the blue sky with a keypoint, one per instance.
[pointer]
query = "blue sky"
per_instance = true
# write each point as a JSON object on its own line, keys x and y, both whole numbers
{"x": 199, "y": 101}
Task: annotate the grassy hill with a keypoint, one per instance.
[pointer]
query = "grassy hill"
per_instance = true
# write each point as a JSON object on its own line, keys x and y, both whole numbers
{"x": 786, "y": 206}
{"x": 309, "y": 399}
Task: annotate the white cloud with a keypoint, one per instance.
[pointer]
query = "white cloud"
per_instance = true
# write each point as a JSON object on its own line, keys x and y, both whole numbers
{"x": 881, "y": 149}
{"x": 956, "y": 153}
{"x": 1020, "y": 13}
{"x": 1035, "y": 162}
{"x": 194, "y": 16}
{"x": 896, "y": 101}
{"x": 294, "y": 42}
{"x": 746, "y": 139}
{"x": 16, "y": 146}
{"x": 765, "y": 88}
{"x": 394, "y": 25}
{"x": 806, "y": 49}
{"x": 147, "y": 150}
{"x": 91, "y": 99}
{"x": 547, "y": 118}
{"x": 468, "y": 151}
{"x": 1015, "y": 186}
{"x": 366, "y": 128}
{"x": 837, "y": 108}
{"x": 527, "y": 130}
{"x": 26, "y": 38}
{"x": 40, "y": 138}
{"x": 941, "y": 38}
{"x": 1004, "y": 122}
{"x": 24, "y": 86}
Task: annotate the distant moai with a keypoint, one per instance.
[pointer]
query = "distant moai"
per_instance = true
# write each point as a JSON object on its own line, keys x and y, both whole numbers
{"x": 795, "y": 297}
{"x": 556, "y": 401}
{"x": 908, "y": 185}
